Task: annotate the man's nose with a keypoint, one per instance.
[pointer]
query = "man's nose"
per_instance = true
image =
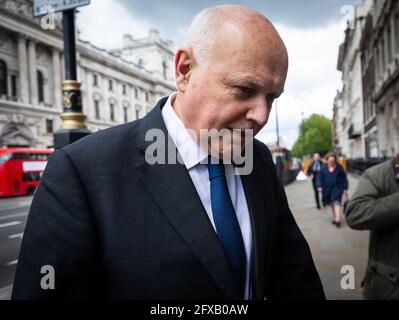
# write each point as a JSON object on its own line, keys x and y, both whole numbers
{"x": 259, "y": 112}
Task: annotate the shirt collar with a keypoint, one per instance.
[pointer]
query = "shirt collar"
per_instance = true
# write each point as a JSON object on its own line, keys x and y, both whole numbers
{"x": 191, "y": 152}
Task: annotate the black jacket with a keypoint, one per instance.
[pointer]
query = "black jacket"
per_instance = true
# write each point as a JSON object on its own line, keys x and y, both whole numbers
{"x": 113, "y": 226}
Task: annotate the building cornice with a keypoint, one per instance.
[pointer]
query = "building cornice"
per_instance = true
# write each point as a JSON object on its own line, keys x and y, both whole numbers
{"x": 12, "y": 105}
{"x": 32, "y": 22}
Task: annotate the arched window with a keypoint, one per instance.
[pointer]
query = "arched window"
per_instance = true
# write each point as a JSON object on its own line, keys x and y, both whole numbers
{"x": 40, "y": 86}
{"x": 3, "y": 78}
{"x": 112, "y": 111}
{"x": 125, "y": 114}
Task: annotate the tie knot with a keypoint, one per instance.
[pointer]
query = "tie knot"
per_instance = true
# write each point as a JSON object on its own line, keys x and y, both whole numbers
{"x": 215, "y": 169}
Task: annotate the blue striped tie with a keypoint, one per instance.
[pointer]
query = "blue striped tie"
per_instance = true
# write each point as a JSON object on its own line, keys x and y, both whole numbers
{"x": 227, "y": 226}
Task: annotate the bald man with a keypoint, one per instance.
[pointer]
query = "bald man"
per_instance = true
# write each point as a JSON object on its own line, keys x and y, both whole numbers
{"x": 184, "y": 203}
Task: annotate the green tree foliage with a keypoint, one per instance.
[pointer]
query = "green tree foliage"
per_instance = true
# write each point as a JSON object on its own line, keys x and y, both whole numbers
{"x": 315, "y": 136}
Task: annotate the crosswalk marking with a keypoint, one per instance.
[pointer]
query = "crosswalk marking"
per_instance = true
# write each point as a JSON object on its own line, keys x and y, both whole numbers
{"x": 17, "y": 235}
{"x": 9, "y": 224}
{"x": 10, "y": 263}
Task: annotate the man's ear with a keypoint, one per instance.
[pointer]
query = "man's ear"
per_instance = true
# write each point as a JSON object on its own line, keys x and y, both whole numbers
{"x": 184, "y": 62}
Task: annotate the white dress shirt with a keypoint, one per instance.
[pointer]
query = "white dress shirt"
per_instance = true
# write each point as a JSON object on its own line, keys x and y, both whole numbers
{"x": 192, "y": 154}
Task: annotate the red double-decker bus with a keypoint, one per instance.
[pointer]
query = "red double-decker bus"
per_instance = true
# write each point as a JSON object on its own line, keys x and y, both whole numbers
{"x": 21, "y": 169}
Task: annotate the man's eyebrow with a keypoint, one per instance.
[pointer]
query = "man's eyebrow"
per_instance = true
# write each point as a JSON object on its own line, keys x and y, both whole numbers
{"x": 242, "y": 82}
{"x": 250, "y": 83}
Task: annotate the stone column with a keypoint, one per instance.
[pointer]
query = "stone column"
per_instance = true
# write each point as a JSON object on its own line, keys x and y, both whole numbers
{"x": 23, "y": 69}
{"x": 118, "y": 104}
{"x": 33, "y": 72}
{"x": 89, "y": 101}
{"x": 81, "y": 74}
{"x": 387, "y": 40}
{"x": 57, "y": 79}
{"x": 62, "y": 61}
{"x": 105, "y": 103}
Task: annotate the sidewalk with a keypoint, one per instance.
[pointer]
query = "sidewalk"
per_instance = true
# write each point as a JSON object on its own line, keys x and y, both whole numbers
{"x": 331, "y": 248}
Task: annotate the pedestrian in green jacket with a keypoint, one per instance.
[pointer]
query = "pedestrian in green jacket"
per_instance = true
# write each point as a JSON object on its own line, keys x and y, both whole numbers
{"x": 375, "y": 207}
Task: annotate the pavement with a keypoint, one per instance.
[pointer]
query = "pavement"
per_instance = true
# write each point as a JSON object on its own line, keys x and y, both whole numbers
{"x": 331, "y": 248}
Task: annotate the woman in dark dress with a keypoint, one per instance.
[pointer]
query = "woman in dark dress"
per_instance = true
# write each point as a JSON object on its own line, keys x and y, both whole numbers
{"x": 333, "y": 183}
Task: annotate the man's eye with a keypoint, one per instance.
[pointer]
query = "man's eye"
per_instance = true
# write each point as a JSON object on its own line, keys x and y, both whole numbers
{"x": 246, "y": 92}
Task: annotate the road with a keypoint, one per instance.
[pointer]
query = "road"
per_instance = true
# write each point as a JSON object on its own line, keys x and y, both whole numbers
{"x": 13, "y": 216}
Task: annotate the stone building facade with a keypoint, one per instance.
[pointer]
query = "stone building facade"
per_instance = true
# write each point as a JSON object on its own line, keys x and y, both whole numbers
{"x": 117, "y": 86}
{"x": 349, "y": 101}
{"x": 369, "y": 58}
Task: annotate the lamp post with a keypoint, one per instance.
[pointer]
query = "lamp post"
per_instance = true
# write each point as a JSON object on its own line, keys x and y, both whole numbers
{"x": 73, "y": 125}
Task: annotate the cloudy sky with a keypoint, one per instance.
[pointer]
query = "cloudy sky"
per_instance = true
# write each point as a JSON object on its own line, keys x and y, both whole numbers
{"x": 311, "y": 29}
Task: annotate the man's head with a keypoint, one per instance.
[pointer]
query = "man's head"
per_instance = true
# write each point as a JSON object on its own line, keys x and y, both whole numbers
{"x": 231, "y": 69}
{"x": 316, "y": 156}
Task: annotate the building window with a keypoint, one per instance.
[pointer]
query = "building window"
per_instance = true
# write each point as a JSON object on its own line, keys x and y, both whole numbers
{"x": 112, "y": 112}
{"x": 110, "y": 85}
{"x": 137, "y": 114}
{"x": 95, "y": 80}
{"x": 13, "y": 85}
{"x": 40, "y": 86}
{"x": 136, "y": 93}
{"x": 3, "y": 78}
{"x": 125, "y": 115}
{"x": 389, "y": 44}
{"x": 49, "y": 126}
{"x": 165, "y": 70}
{"x": 97, "y": 109}
{"x": 124, "y": 89}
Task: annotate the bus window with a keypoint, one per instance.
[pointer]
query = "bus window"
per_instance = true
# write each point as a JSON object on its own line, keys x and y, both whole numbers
{"x": 5, "y": 158}
{"x": 31, "y": 176}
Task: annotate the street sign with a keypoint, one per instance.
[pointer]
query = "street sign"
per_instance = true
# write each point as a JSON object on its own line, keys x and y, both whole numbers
{"x": 42, "y": 7}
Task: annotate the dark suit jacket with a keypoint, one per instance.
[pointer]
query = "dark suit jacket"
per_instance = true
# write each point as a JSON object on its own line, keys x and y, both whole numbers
{"x": 113, "y": 226}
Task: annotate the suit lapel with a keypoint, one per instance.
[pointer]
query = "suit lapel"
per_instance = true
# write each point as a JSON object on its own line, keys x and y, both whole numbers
{"x": 260, "y": 196}
{"x": 171, "y": 187}
{"x": 253, "y": 193}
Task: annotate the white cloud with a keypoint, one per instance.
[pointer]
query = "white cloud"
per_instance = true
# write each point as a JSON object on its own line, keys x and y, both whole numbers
{"x": 104, "y": 22}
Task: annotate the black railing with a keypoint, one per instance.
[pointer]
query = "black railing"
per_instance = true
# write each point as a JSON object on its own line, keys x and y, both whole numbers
{"x": 358, "y": 166}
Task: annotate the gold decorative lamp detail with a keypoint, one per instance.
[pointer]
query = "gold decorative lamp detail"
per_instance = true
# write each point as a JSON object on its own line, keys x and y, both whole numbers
{"x": 72, "y": 117}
